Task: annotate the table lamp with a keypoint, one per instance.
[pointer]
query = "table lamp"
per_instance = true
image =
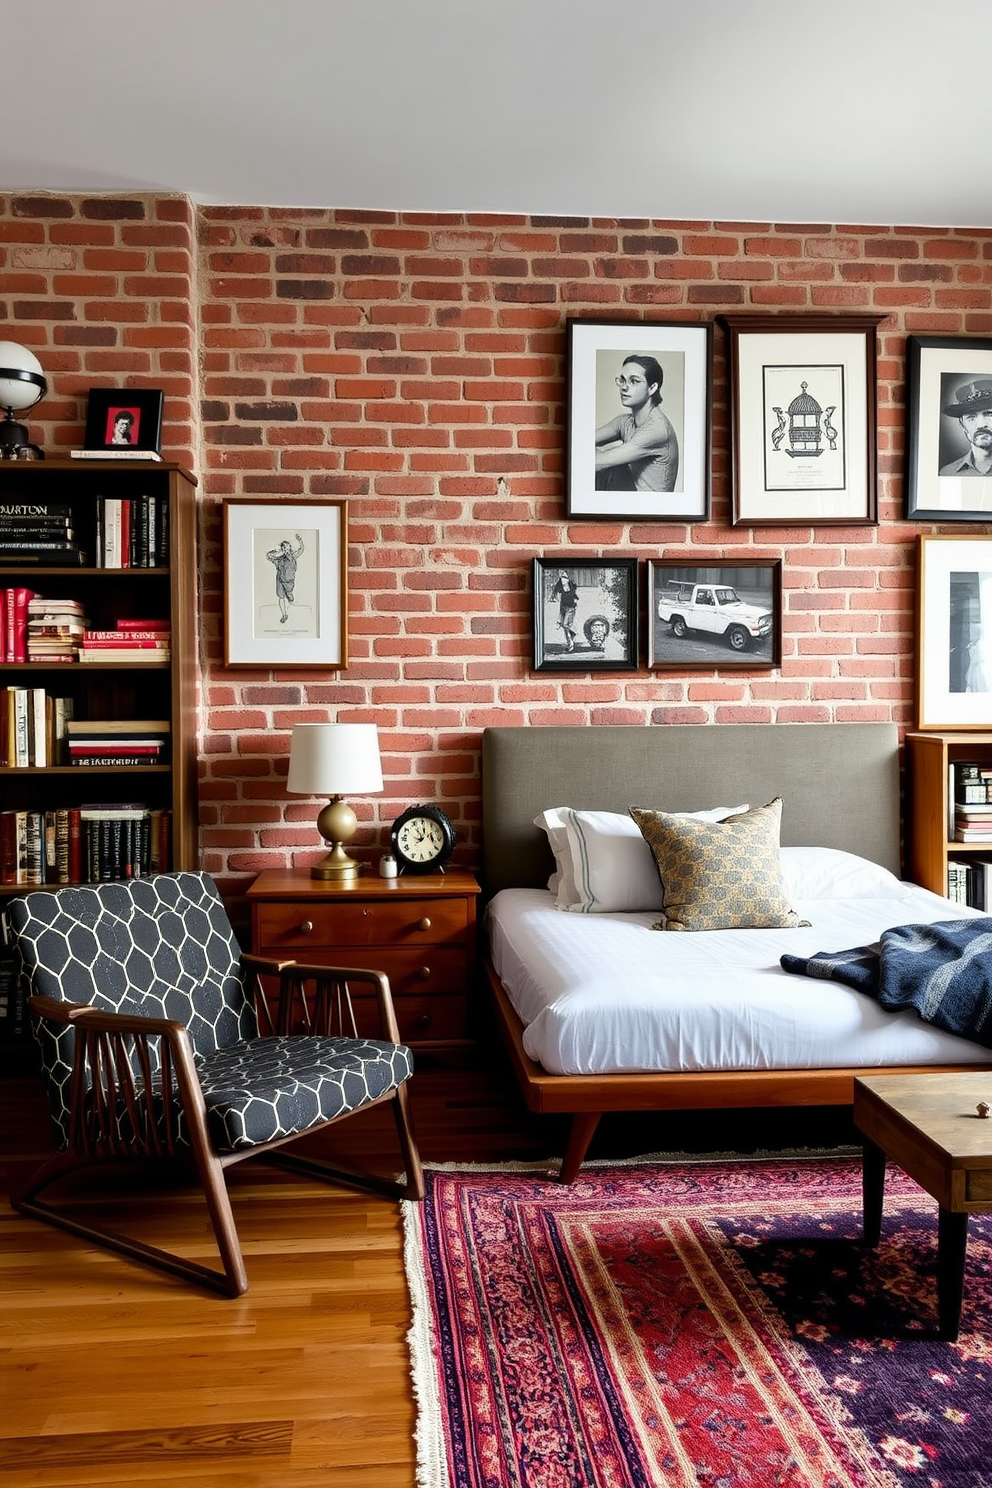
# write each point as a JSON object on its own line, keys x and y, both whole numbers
{"x": 22, "y": 383}
{"x": 335, "y": 759}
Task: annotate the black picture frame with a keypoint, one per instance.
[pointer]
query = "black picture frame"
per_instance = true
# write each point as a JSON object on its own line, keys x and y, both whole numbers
{"x": 597, "y": 353}
{"x": 725, "y": 637}
{"x": 600, "y": 631}
{"x": 119, "y": 419}
{"x": 803, "y": 412}
{"x": 943, "y": 374}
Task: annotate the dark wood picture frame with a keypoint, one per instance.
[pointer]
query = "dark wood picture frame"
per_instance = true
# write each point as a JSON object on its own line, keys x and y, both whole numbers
{"x": 691, "y": 625}
{"x": 681, "y": 352}
{"x": 944, "y": 375}
{"x": 585, "y": 614}
{"x": 803, "y": 407}
{"x": 119, "y": 419}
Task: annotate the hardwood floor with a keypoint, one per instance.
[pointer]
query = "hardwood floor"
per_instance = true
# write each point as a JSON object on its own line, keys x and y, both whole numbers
{"x": 116, "y": 1374}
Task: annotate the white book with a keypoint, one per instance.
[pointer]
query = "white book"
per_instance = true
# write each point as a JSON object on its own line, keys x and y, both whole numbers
{"x": 22, "y": 757}
{"x": 115, "y": 454}
{"x": 112, "y": 532}
{"x": 39, "y": 735}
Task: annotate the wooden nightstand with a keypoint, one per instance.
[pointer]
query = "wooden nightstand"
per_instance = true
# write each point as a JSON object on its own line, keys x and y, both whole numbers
{"x": 419, "y": 929}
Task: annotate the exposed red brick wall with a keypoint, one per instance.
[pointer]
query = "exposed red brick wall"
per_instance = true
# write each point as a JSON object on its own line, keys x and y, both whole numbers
{"x": 414, "y": 363}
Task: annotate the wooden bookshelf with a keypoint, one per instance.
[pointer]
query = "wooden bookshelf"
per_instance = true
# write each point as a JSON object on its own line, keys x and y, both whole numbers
{"x": 137, "y": 690}
{"x": 931, "y": 845}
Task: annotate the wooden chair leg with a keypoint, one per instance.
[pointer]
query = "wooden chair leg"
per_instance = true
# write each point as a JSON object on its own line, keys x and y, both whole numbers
{"x": 231, "y": 1284}
{"x": 408, "y": 1144}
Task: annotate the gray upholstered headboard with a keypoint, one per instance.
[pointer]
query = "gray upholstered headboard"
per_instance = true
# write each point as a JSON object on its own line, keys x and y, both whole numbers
{"x": 839, "y": 783}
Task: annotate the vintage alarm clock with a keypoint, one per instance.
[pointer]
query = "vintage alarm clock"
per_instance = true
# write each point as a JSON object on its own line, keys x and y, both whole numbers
{"x": 422, "y": 840}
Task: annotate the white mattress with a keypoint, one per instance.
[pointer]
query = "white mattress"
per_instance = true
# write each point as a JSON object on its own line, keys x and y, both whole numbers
{"x": 606, "y": 994}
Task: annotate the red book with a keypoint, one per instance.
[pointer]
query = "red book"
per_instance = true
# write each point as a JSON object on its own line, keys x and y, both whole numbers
{"x": 124, "y": 637}
{"x": 17, "y": 623}
{"x": 155, "y": 625}
{"x": 75, "y": 846}
{"x": 3, "y": 624}
{"x": 93, "y": 640}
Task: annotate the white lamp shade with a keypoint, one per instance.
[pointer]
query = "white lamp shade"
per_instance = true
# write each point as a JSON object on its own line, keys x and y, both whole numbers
{"x": 334, "y": 759}
{"x": 15, "y": 392}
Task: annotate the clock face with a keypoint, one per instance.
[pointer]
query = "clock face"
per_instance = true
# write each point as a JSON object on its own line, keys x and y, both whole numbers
{"x": 423, "y": 839}
{"x": 420, "y": 840}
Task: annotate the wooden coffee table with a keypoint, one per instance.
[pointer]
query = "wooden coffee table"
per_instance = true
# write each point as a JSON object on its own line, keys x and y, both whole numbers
{"x": 930, "y": 1126}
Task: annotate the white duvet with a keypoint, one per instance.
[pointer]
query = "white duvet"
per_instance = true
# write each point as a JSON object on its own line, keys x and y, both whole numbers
{"x": 606, "y": 994}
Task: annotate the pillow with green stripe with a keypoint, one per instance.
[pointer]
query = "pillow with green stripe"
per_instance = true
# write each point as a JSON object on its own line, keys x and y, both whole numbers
{"x": 719, "y": 875}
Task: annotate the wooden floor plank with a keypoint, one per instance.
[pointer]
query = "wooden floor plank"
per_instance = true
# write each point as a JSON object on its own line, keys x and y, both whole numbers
{"x": 114, "y": 1374}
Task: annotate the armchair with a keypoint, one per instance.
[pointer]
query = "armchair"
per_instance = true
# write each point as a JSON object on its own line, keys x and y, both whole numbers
{"x": 161, "y": 1040}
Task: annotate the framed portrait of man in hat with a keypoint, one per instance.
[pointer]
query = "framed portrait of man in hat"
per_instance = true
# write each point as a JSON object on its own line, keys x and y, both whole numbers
{"x": 949, "y": 429}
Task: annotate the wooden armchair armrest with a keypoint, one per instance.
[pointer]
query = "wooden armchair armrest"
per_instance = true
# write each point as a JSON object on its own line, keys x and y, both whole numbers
{"x": 316, "y": 999}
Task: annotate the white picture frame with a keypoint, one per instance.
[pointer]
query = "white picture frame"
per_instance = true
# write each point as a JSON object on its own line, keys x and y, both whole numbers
{"x": 803, "y": 418}
{"x": 953, "y": 632}
{"x": 285, "y": 583}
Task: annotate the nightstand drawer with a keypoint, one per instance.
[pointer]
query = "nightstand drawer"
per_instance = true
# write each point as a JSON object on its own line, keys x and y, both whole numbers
{"x": 403, "y": 922}
{"x": 424, "y": 972}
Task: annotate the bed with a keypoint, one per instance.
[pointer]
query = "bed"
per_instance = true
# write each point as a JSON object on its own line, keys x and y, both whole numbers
{"x": 563, "y": 983}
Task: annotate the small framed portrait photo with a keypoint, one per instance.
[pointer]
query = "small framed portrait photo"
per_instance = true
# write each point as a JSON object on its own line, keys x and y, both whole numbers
{"x": 949, "y": 429}
{"x": 119, "y": 419}
{"x": 585, "y": 614}
{"x": 639, "y": 399}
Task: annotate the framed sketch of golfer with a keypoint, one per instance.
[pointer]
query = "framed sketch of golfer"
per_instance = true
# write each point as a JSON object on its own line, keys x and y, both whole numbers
{"x": 285, "y": 583}
{"x": 949, "y": 429}
{"x": 639, "y": 397}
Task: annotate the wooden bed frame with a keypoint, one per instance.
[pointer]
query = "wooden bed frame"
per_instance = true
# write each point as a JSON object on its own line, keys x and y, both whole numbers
{"x": 840, "y": 788}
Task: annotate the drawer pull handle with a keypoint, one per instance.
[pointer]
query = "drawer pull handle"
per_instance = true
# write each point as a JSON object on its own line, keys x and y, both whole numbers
{"x": 306, "y": 927}
{"x": 424, "y": 924}
{"x": 423, "y": 1020}
{"x": 424, "y": 973}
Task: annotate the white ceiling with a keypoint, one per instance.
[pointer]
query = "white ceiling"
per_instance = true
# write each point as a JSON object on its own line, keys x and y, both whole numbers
{"x": 856, "y": 111}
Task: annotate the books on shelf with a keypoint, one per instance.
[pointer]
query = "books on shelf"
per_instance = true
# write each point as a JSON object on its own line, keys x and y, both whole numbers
{"x": 39, "y": 532}
{"x": 970, "y": 883}
{"x": 96, "y": 843}
{"x": 32, "y": 728}
{"x": 132, "y": 531}
{"x": 15, "y": 622}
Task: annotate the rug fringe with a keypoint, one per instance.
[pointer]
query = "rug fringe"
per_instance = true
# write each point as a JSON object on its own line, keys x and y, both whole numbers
{"x": 550, "y": 1165}
{"x": 432, "y": 1465}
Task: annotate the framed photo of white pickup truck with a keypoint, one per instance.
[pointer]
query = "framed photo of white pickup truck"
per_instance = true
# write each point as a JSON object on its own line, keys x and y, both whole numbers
{"x": 723, "y": 613}
{"x": 803, "y": 419}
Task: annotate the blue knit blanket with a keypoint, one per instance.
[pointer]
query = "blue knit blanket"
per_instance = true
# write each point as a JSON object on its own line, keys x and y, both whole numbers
{"x": 942, "y": 971}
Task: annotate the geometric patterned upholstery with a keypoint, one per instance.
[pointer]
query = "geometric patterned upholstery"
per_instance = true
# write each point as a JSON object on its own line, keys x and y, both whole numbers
{"x": 258, "y": 1091}
{"x": 163, "y": 947}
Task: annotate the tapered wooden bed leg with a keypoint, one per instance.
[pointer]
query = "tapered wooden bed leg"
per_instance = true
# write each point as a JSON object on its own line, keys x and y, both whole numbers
{"x": 584, "y": 1124}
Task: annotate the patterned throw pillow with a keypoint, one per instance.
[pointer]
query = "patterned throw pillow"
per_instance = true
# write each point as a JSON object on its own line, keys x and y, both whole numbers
{"x": 719, "y": 875}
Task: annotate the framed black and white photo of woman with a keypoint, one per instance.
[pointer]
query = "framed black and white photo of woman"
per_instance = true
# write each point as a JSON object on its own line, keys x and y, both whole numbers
{"x": 585, "y": 614}
{"x": 949, "y": 429}
{"x": 639, "y": 399}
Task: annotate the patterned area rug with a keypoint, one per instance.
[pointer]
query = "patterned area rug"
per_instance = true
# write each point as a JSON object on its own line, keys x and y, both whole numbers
{"x": 692, "y": 1322}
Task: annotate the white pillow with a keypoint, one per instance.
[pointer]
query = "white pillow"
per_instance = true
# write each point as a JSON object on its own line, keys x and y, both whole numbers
{"x": 612, "y": 868}
{"x": 831, "y": 873}
{"x": 562, "y": 881}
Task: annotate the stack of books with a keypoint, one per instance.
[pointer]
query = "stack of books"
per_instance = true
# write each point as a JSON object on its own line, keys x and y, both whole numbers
{"x": 131, "y": 640}
{"x": 971, "y": 883}
{"x": 33, "y": 728}
{"x": 132, "y": 532}
{"x": 972, "y": 797}
{"x": 109, "y": 743}
{"x": 55, "y": 629}
{"x": 38, "y": 532}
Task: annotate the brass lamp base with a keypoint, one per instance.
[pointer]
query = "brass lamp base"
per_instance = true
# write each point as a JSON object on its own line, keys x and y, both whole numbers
{"x": 337, "y": 824}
